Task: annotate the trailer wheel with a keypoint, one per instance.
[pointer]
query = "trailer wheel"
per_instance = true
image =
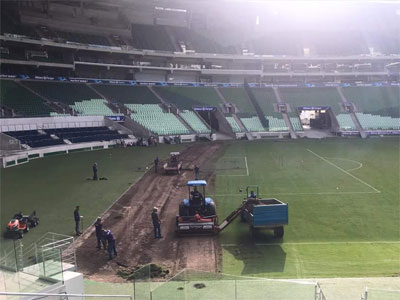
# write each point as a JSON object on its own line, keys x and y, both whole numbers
{"x": 253, "y": 231}
{"x": 278, "y": 232}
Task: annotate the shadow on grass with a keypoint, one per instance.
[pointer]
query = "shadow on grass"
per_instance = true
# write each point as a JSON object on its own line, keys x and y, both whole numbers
{"x": 256, "y": 259}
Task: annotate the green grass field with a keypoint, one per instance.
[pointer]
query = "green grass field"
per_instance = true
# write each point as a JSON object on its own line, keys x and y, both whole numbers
{"x": 343, "y": 195}
{"x": 344, "y": 206}
{"x": 54, "y": 185}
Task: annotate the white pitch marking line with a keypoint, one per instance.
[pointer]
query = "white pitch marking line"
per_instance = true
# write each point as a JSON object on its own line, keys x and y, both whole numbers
{"x": 247, "y": 167}
{"x": 360, "y": 165}
{"x": 316, "y": 243}
{"x": 295, "y": 194}
{"x": 344, "y": 171}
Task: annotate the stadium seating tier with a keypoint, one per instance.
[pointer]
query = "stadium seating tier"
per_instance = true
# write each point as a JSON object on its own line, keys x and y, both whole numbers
{"x": 152, "y": 117}
{"x": 21, "y": 100}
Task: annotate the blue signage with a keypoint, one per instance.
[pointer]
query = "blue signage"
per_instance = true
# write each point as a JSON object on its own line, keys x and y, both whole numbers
{"x": 205, "y": 84}
{"x": 205, "y": 108}
{"x": 117, "y": 118}
{"x": 313, "y": 107}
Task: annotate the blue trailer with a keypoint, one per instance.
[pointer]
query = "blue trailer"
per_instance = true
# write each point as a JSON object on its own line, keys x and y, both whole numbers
{"x": 260, "y": 213}
{"x": 266, "y": 213}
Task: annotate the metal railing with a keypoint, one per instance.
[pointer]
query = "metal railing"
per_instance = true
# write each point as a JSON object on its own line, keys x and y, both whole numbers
{"x": 63, "y": 295}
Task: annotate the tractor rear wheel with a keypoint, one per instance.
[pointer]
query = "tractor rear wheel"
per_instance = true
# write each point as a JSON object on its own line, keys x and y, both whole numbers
{"x": 278, "y": 232}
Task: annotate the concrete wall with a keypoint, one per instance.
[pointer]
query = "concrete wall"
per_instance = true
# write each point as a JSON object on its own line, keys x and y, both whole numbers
{"x": 8, "y": 143}
{"x": 14, "y": 124}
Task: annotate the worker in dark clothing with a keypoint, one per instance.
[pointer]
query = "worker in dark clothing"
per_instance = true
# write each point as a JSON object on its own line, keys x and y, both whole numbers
{"x": 99, "y": 233}
{"x": 156, "y": 161}
{"x": 156, "y": 223}
{"x": 253, "y": 195}
{"x": 77, "y": 219}
{"x": 110, "y": 243}
{"x": 196, "y": 172}
{"x": 18, "y": 216}
{"x": 95, "y": 171}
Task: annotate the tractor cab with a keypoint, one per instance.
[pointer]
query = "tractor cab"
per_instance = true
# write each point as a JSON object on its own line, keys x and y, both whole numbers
{"x": 252, "y": 192}
{"x": 174, "y": 157}
{"x": 197, "y": 193}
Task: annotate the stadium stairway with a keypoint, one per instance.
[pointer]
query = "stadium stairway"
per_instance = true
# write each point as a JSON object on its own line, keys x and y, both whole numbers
{"x": 58, "y": 107}
{"x": 112, "y": 106}
{"x": 234, "y": 115}
{"x": 168, "y": 106}
{"x": 352, "y": 115}
{"x": 185, "y": 123}
{"x": 285, "y": 116}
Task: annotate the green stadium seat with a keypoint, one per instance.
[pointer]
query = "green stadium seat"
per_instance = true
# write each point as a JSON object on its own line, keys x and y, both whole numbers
{"x": 187, "y": 97}
{"x": 233, "y": 124}
{"x": 152, "y": 117}
{"x": 127, "y": 93}
{"x": 383, "y": 101}
{"x": 64, "y": 92}
{"x": 253, "y": 124}
{"x": 21, "y": 100}
{"x": 375, "y": 122}
{"x": 276, "y": 124}
{"x": 238, "y": 96}
{"x": 93, "y": 107}
{"x": 345, "y": 122}
{"x": 193, "y": 120}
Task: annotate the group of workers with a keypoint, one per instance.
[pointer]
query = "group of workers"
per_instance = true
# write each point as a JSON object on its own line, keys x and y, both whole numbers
{"x": 104, "y": 237}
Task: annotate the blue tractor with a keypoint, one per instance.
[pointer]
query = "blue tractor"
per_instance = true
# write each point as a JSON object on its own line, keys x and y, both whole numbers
{"x": 197, "y": 213}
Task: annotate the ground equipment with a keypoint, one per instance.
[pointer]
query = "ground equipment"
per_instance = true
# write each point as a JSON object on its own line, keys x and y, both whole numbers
{"x": 197, "y": 213}
{"x": 260, "y": 213}
{"x": 21, "y": 224}
{"x": 173, "y": 165}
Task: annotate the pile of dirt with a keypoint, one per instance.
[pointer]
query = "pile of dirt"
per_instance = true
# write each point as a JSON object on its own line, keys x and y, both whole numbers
{"x": 143, "y": 272}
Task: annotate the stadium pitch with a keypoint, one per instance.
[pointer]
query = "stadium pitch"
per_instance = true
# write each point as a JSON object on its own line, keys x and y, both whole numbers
{"x": 343, "y": 197}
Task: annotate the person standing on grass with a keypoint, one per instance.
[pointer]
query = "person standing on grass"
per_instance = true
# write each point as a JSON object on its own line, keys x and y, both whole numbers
{"x": 156, "y": 223}
{"x": 156, "y": 161}
{"x": 110, "y": 243}
{"x": 95, "y": 171}
{"x": 99, "y": 233}
{"x": 77, "y": 218}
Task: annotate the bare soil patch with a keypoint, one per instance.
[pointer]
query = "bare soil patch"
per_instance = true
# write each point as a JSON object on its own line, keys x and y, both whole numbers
{"x": 130, "y": 221}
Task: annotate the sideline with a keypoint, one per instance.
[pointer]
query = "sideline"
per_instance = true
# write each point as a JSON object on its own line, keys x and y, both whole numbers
{"x": 315, "y": 243}
{"x": 296, "y": 194}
